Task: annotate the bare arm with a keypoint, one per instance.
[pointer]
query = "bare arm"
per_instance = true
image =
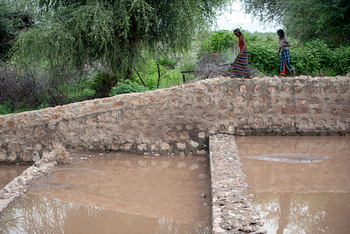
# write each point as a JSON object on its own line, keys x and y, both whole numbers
{"x": 244, "y": 46}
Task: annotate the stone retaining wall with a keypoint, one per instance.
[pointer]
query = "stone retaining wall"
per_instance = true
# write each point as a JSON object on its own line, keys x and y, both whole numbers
{"x": 231, "y": 208}
{"x": 179, "y": 120}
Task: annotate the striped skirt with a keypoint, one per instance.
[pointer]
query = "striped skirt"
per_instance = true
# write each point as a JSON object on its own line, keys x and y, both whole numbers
{"x": 285, "y": 65}
{"x": 240, "y": 65}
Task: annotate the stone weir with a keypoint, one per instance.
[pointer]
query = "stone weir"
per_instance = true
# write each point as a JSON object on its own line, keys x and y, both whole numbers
{"x": 179, "y": 120}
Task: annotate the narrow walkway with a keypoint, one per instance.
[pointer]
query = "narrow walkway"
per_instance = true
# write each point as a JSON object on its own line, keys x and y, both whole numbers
{"x": 231, "y": 209}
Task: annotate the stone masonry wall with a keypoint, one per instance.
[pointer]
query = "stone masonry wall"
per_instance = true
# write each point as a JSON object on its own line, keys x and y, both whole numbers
{"x": 179, "y": 120}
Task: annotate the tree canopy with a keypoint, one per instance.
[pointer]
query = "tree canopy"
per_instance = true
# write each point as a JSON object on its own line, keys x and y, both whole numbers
{"x": 306, "y": 19}
{"x": 112, "y": 34}
{"x": 12, "y": 20}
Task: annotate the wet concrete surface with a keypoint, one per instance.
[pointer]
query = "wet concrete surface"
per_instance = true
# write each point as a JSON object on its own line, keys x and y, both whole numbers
{"x": 299, "y": 197}
{"x": 9, "y": 172}
{"x": 117, "y": 194}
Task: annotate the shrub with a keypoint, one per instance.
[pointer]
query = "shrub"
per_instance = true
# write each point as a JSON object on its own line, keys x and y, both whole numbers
{"x": 5, "y": 108}
{"x": 312, "y": 58}
{"x": 19, "y": 89}
{"x": 263, "y": 55}
{"x": 166, "y": 62}
{"x": 220, "y": 41}
{"x": 102, "y": 83}
{"x": 58, "y": 154}
{"x": 127, "y": 86}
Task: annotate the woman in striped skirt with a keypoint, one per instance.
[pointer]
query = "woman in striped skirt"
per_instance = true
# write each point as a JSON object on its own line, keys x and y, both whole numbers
{"x": 240, "y": 65}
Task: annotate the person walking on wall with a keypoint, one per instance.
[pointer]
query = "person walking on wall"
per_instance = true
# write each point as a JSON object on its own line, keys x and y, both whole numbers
{"x": 240, "y": 65}
{"x": 285, "y": 65}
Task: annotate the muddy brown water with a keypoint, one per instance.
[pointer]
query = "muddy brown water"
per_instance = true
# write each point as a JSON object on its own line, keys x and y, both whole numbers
{"x": 116, "y": 194}
{"x": 299, "y": 197}
{"x": 9, "y": 172}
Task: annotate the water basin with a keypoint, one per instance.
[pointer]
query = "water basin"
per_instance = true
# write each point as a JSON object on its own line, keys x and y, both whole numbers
{"x": 117, "y": 194}
{"x": 293, "y": 196}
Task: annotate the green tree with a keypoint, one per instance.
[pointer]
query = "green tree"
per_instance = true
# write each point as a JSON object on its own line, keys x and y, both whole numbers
{"x": 306, "y": 19}
{"x": 111, "y": 35}
{"x": 12, "y": 21}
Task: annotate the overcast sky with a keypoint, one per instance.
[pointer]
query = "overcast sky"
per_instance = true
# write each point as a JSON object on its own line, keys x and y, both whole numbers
{"x": 237, "y": 18}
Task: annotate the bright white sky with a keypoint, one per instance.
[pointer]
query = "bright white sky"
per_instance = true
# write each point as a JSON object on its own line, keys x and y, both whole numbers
{"x": 238, "y": 18}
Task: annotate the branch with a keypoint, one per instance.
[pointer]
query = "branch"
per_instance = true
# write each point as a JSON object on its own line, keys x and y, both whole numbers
{"x": 140, "y": 78}
{"x": 158, "y": 76}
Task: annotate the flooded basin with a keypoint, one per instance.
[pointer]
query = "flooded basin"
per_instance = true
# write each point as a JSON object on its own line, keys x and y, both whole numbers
{"x": 309, "y": 192}
{"x": 116, "y": 194}
{"x": 9, "y": 172}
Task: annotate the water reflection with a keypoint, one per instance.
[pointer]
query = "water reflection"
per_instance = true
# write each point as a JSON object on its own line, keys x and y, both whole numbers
{"x": 9, "y": 172}
{"x": 133, "y": 194}
{"x": 283, "y": 212}
{"x": 300, "y": 197}
{"x": 304, "y": 212}
{"x": 36, "y": 214}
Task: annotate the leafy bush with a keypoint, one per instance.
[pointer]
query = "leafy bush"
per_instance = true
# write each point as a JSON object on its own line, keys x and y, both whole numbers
{"x": 5, "y": 108}
{"x": 221, "y": 40}
{"x": 151, "y": 72}
{"x": 263, "y": 55}
{"x": 340, "y": 60}
{"x": 312, "y": 58}
{"x": 318, "y": 58}
{"x": 127, "y": 86}
{"x": 166, "y": 62}
{"x": 102, "y": 83}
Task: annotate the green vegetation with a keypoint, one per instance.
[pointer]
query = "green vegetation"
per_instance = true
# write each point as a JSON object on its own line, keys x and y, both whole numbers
{"x": 111, "y": 36}
{"x": 315, "y": 57}
{"x": 13, "y": 20}
{"x": 127, "y": 87}
{"x": 57, "y": 52}
{"x": 306, "y": 20}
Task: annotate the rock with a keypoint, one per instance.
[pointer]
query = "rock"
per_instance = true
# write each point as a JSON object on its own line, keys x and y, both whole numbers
{"x": 194, "y": 167}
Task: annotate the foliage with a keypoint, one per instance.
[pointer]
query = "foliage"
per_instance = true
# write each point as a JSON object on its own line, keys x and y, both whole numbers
{"x": 306, "y": 20}
{"x": 312, "y": 58}
{"x": 187, "y": 64}
{"x": 317, "y": 58}
{"x": 154, "y": 71}
{"x": 6, "y": 108}
{"x": 12, "y": 21}
{"x": 102, "y": 83}
{"x": 111, "y": 35}
{"x": 31, "y": 88}
{"x": 312, "y": 19}
{"x": 221, "y": 40}
{"x": 263, "y": 55}
{"x": 166, "y": 61}
{"x": 127, "y": 86}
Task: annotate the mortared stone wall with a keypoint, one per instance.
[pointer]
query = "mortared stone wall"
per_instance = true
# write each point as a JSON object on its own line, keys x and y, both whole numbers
{"x": 179, "y": 120}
